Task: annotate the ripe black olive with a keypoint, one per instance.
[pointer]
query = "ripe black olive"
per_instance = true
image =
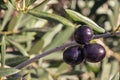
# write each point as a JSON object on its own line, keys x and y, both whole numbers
{"x": 73, "y": 55}
{"x": 83, "y": 34}
{"x": 94, "y": 52}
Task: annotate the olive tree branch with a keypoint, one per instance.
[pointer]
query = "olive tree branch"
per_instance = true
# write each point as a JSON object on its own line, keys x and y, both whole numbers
{"x": 37, "y": 57}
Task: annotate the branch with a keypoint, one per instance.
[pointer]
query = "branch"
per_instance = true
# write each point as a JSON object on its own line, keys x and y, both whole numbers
{"x": 27, "y": 62}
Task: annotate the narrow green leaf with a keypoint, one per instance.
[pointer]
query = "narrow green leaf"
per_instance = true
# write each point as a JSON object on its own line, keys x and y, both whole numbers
{"x": 112, "y": 21}
{"x": 14, "y": 78}
{"x": 46, "y": 39}
{"x": 53, "y": 56}
{"x": 116, "y": 11}
{"x": 12, "y": 2}
{"x": 17, "y": 45}
{"x": 62, "y": 68}
{"x": 15, "y": 60}
{"x": 15, "y": 22}
{"x": 8, "y": 71}
{"x": 3, "y": 5}
{"x": 8, "y": 14}
{"x": 31, "y": 1}
{"x": 41, "y": 6}
{"x": 116, "y": 76}
{"x": 52, "y": 16}
{"x": 105, "y": 69}
{"x": 61, "y": 38}
{"x": 3, "y": 51}
{"x": 37, "y": 47}
{"x": 106, "y": 72}
{"x": 49, "y": 35}
{"x": 114, "y": 67}
{"x": 23, "y": 38}
{"x": 80, "y": 18}
{"x": 93, "y": 66}
{"x": 73, "y": 73}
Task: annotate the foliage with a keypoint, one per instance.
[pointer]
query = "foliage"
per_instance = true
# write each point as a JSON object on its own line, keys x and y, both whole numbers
{"x": 32, "y": 27}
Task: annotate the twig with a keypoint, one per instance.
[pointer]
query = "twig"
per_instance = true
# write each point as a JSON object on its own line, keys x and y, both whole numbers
{"x": 43, "y": 54}
{"x": 27, "y": 62}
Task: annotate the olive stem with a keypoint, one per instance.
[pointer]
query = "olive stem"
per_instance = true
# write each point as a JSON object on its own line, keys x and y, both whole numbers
{"x": 27, "y": 62}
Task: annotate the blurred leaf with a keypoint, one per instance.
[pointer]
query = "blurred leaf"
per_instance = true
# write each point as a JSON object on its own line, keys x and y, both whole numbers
{"x": 3, "y": 51}
{"x": 45, "y": 40}
{"x": 55, "y": 17}
{"x": 42, "y": 74}
{"x": 3, "y": 5}
{"x": 14, "y": 78}
{"x": 106, "y": 67}
{"x": 49, "y": 35}
{"x": 8, "y": 71}
{"x": 12, "y": 2}
{"x": 16, "y": 60}
{"x": 32, "y": 1}
{"x": 41, "y": 5}
{"x": 111, "y": 18}
{"x": 37, "y": 47}
{"x": 116, "y": 76}
{"x": 7, "y": 16}
{"x": 17, "y": 45}
{"x": 73, "y": 73}
{"x": 114, "y": 69}
{"x": 23, "y": 38}
{"x": 62, "y": 68}
{"x": 29, "y": 2}
{"x": 28, "y": 77}
{"x": 61, "y": 38}
{"x": 114, "y": 14}
{"x": 80, "y": 18}
{"x": 94, "y": 67}
{"x": 50, "y": 77}
{"x": 15, "y": 22}
{"x": 116, "y": 11}
{"x": 53, "y": 56}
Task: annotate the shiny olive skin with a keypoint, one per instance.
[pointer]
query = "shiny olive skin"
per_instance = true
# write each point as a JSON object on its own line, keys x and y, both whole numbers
{"x": 83, "y": 34}
{"x": 73, "y": 55}
{"x": 94, "y": 52}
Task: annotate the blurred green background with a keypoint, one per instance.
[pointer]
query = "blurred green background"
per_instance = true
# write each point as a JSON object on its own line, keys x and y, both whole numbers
{"x": 28, "y": 35}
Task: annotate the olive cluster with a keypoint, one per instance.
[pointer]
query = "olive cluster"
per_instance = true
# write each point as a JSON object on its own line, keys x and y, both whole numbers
{"x": 92, "y": 52}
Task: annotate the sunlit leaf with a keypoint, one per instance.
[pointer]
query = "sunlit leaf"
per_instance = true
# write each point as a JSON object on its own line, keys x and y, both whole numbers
{"x": 15, "y": 22}
{"x": 116, "y": 76}
{"x": 61, "y": 38}
{"x": 80, "y": 18}
{"x": 7, "y": 16}
{"x": 52, "y": 16}
{"x": 8, "y": 71}
{"x": 63, "y": 68}
{"x": 17, "y": 45}
{"x": 3, "y": 51}
{"x": 45, "y": 40}
{"x": 37, "y": 47}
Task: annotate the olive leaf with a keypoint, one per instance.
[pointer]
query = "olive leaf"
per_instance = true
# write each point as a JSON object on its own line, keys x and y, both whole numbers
{"x": 15, "y": 60}
{"x": 17, "y": 45}
{"x": 8, "y": 71}
{"x": 46, "y": 39}
{"x": 46, "y": 15}
{"x": 3, "y": 51}
{"x": 80, "y": 18}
